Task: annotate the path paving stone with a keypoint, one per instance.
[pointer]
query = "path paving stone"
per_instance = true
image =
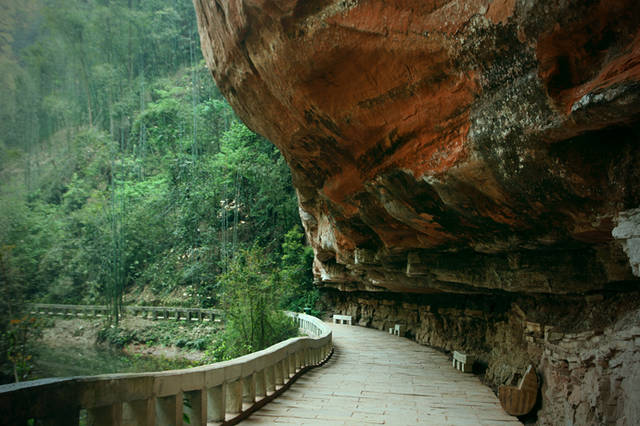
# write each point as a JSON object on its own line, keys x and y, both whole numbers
{"x": 376, "y": 378}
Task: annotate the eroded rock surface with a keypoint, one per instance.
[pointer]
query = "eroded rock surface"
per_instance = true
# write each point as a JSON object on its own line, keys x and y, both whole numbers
{"x": 468, "y": 168}
{"x": 445, "y": 145}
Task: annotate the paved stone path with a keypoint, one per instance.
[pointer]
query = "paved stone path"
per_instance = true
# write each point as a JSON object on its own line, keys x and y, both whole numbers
{"x": 376, "y": 378}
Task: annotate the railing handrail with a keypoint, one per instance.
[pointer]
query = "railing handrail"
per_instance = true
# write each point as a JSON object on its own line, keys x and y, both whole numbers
{"x": 108, "y": 392}
{"x": 126, "y": 307}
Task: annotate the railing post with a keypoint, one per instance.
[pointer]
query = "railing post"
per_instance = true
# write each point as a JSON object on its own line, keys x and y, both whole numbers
{"x": 285, "y": 369}
{"x": 292, "y": 364}
{"x": 270, "y": 379}
{"x": 216, "y": 402}
{"x": 169, "y": 410}
{"x": 197, "y": 407}
{"x": 261, "y": 383}
{"x": 110, "y": 415}
{"x": 234, "y": 397}
{"x": 249, "y": 389}
{"x": 278, "y": 374}
{"x": 140, "y": 413}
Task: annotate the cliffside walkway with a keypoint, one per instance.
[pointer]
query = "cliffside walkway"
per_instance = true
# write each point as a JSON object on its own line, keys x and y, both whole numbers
{"x": 376, "y": 378}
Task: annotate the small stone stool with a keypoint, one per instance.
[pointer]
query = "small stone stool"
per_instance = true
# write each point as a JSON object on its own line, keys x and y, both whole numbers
{"x": 463, "y": 362}
{"x": 341, "y": 319}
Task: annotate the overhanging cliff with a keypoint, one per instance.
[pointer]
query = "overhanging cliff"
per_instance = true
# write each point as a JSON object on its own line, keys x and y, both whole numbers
{"x": 483, "y": 153}
{"x": 457, "y": 146}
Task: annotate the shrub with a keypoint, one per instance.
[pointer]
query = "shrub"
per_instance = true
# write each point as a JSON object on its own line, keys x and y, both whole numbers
{"x": 251, "y": 301}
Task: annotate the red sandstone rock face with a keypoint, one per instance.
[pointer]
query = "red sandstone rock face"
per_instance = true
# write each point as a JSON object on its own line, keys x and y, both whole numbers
{"x": 446, "y": 145}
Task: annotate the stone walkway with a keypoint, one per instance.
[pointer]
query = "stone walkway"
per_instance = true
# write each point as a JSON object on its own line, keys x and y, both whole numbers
{"x": 376, "y": 378}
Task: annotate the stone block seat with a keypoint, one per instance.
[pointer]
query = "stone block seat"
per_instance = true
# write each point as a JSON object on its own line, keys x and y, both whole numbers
{"x": 520, "y": 400}
{"x": 399, "y": 329}
{"x": 342, "y": 319}
{"x": 463, "y": 362}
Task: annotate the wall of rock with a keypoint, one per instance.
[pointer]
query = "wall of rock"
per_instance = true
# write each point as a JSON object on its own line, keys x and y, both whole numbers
{"x": 585, "y": 349}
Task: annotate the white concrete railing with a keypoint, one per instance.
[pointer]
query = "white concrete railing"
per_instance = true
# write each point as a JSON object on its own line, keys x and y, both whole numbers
{"x": 224, "y": 392}
{"x": 150, "y": 312}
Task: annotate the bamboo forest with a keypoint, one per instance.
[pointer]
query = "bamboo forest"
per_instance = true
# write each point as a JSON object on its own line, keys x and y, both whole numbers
{"x": 126, "y": 179}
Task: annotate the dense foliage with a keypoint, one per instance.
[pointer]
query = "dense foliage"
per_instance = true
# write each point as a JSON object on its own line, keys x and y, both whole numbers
{"x": 199, "y": 336}
{"x": 250, "y": 298}
{"x": 125, "y": 175}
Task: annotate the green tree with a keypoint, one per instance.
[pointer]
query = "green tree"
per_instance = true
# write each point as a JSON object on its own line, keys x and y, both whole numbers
{"x": 20, "y": 336}
{"x": 296, "y": 273}
{"x": 122, "y": 167}
{"x": 251, "y": 298}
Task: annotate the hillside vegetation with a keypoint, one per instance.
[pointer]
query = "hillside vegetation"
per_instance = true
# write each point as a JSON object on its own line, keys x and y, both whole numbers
{"x": 126, "y": 177}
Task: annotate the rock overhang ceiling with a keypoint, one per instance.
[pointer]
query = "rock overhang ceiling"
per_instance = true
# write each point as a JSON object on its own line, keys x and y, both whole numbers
{"x": 456, "y": 146}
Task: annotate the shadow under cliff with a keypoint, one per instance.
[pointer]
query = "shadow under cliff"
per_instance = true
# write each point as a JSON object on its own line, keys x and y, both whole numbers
{"x": 584, "y": 347}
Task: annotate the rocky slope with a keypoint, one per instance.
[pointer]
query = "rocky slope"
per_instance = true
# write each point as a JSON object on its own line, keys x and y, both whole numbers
{"x": 471, "y": 150}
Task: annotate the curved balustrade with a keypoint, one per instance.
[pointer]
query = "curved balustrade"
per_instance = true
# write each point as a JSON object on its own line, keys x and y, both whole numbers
{"x": 150, "y": 312}
{"x": 224, "y": 392}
